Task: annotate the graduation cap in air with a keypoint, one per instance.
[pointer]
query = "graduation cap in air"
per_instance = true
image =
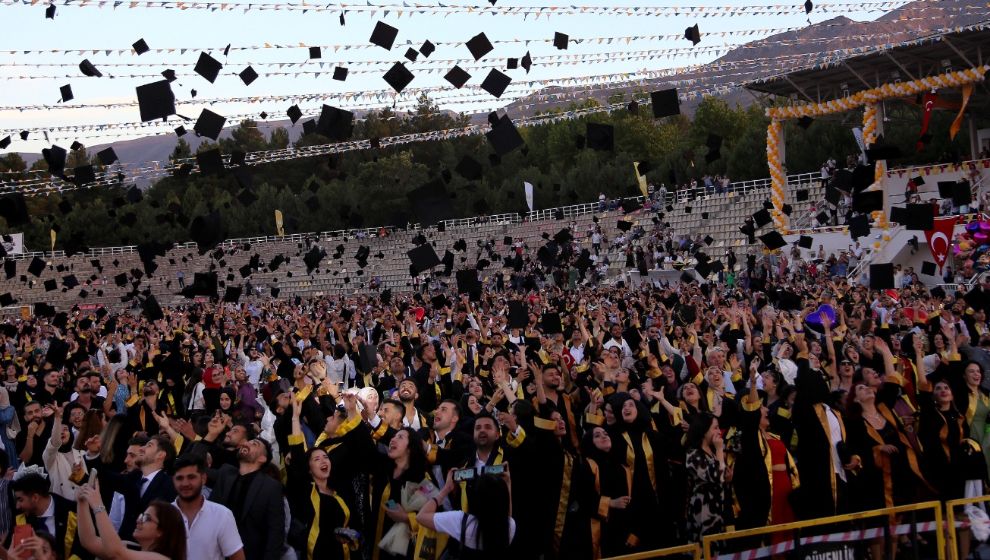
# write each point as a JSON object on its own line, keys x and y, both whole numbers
{"x": 630, "y": 205}
{"x": 859, "y": 226}
{"x": 919, "y": 217}
{"x": 248, "y": 75}
{"x": 468, "y": 283}
{"x": 312, "y": 258}
{"x": 714, "y": 144}
{"x": 862, "y": 177}
{"x": 340, "y": 73}
{"x": 89, "y": 70}
{"x": 479, "y": 45}
{"x": 155, "y": 100}
{"x": 762, "y": 218}
{"x": 66, "y": 93}
{"x": 58, "y": 350}
{"x": 773, "y": 240}
{"x": 50, "y": 285}
{"x": 384, "y": 35}
{"x": 209, "y": 124}
{"x": 315, "y": 52}
{"x": 42, "y": 309}
{"x": 398, "y": 77}
{"x": 83, "y": 175}
{"x": 518, "y": 315}
{"x": 457, "y": 77}
{"x": 36, "y": 267}
{"x": 504, "y": 137}
{"x": 550, "y": 324}
{"x": 55, "y": 158}
{"x": 9, "y": 268}
{"x": 294, "y": 113}
{"x": 708, "y": 240}
{"x": 13, "y": 208}
{"x": 600, "y": 136}
{"x": 427, "y": 49}
{"x": 469, "y": 169}
{"x": 151, "y": 309}
{"x": 210, "y": 162}
{"x": 945, "y": 188}
{"x": 511, "y": 63}
{"x": 917, "y": 181}
{"x": 496, "y": 82}
{"x": 107, "y": 156}
{"x": 868, "y": 201}
{"x": 624, "y": 225}
{"x": 335, "y": 124}
{"x": 4, "y": 142}
{"x": 7, "y": 300}
{"x": 801, "y": 195}
{"x": 805, "y": 122}
{"x": 693, "y": 34}
{"x": 50, "y": 11}
{"x": 805, "y": 242}
{"x": 560, "y": 41}
{"x": 526, "y": 62}
{"x": 882, "y": 276}
{"x": 232, "y": 294}
{"x": 208, "y": 67}
{"x": 665, "y": 103}
{"x": 928, "y": 268}
{"x": 961, "y": 193}
{"x": 422, "y": 258}
{"x": 877, "y": 152}
{"x": 207, "y": 231}
{"x": 460, "y": 245}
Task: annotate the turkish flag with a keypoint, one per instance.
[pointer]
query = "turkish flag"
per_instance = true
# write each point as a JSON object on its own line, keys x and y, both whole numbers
{"x": 940, "y": 239}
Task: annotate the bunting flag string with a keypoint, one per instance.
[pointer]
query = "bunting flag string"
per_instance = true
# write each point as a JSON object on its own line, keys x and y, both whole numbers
{"x": 157, "y": 169}
{"x": 748, "y": 33}
{"x": 415, "y": 9}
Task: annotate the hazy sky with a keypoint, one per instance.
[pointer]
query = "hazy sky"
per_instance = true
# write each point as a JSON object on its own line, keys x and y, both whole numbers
{"x": 90, "y": 27}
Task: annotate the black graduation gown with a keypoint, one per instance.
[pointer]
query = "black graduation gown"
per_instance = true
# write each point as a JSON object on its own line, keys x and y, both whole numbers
{"x": 651, "y": 526}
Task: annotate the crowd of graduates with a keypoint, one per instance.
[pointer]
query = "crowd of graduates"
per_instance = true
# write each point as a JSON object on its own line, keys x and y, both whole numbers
{"x": 547, "y": 423}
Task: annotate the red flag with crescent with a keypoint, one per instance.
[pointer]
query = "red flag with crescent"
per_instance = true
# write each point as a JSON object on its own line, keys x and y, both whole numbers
{"x": 940, "y": 239}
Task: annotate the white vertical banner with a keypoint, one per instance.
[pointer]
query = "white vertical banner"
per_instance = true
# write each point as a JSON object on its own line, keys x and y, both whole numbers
{"x": 858, "y": 133}
{"x": 529, "y": 195}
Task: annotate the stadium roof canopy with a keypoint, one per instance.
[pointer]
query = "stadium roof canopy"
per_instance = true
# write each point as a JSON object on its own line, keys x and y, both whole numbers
{"x": 839, "y": 76}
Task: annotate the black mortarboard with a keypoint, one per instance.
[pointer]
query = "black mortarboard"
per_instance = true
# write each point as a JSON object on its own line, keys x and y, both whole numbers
{"x": 180, "y": 131}
{"x": 805, "y": 242}
{"x": 422, "y": 258}
{"x": 630, "y": 205}
{"x": 36, "y": 267}
{"x": 58, "y": 350}
{"x": 878, "y": 152}
{"x": 808, "y": 6}
{"x": 687, "y": 277}
{"x": 340, "y": 73}
{"x": 335, "y": 124}
{"x": 120, "y": 279}
{"x": 248, "y": 75}
{"x": 920, "y": 217}
{"x": 511, "y": 63}
{"x": 945, "y": 189}
{"x": 479, "y": 45}
{"x": 805, "y": 122}
{"x": 665, "y": 103}
{"x": 918, "y": 181}
{"x": 208, "y": 67}
{"x": 801, "y": 195}
{"x": 881, "y": 276}
{"x": 550, "y": 323}
{"x": 207, "y": 231}
{"x": 50, "y": 284}
{"x": 169, "y": 75}
{"x": 13, "y": 208}
{"x": 624, "y": 225}
{"x": 83, "y": 175}
{"x": 312, "y": 258}
{"x": 9, "y": 268}
{"x": 294, "y": 113}
{"x": 55, "y": 158}
{"x": 504, "y": 138}
{"x": 398, "y": 77}
{"x": 898, "y": 214}
{"x": 42, "y": 309}
{"x": 468, "y": 283}
{"x": 430, "y": 202}
{"x": 155, "y": 100}
{"x": 526, "y": 62}
{"x": 928, "y": 268}
{"x": 384, "y": 35}
{"x": 961, "y": 193}
{"x": 76, "y": 145}
{"x": 66, "y": 93}
{"x": 600, "y": 136}
{"x": 70, "y": 281}
{"x": 709, "y": 239}
{"x": 210, "y": 162}
{"x": 773, "y": 240}
{"x": 859, "y": 226}
{"x": 832, "y": 195}
{"x": 151, "y": 309}
{"x": 50, "y": 11}
{"x": 107, "y": 156}
{"x": 704, "y": 268}
{"x": 309, "y": 127}
{"x": 469, "y": 168}
{"x": 786, "y": 209}
{"x": 868, "y": 201}
{"x": 427, "y": 49}
{"x": 693, "y": 34}
{"x": 457, "y": 77}
{"x": 762, "y": 218}
{"x": 6, "y": 300}
{"x": 862, "y": 177}
{"x": 560, "y": 41}
{"x": 496, "y": 82}
{"x": 209, "y": 124}
{"x": 232, "y": 294}
{"x": 518, "y": 315}
{"x": 89, "y": 69}
{"x": 315, "y": 52}
{"x": 4, "y": 142}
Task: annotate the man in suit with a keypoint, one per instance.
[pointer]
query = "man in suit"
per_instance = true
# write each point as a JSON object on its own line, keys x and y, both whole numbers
{"x": 149, "y": 482}
{"x": 48, "y": 513}
{"x": 255, "y": 498}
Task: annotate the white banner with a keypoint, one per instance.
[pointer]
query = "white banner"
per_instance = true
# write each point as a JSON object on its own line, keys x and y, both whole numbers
{"x": 858, "y": 133}
{"x": 529, "y": 195}
{"x": 13, "y": 243}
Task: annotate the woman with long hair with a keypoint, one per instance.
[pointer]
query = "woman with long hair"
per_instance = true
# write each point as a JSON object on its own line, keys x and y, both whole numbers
{"x": 404, "y": 461}
{"x": 486, "y": 532}
{"x": 160, "y": 530}
{"x": 705, "y": 465}
{"x": 319, "y": 513}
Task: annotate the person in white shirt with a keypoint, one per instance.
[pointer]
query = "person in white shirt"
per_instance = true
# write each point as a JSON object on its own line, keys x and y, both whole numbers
{"x": 211, "y": 531}
{"x": 253, "y": 365}
{"x": 616, "y": 340}
{"x": 489, "y": 528}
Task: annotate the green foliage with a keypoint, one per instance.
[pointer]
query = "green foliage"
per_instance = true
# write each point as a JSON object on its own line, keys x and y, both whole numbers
{"x": 367, "y": 188}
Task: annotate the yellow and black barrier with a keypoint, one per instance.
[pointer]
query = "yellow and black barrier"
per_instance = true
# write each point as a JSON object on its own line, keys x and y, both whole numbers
{"x": 952, "y": 524}
{"x": 694, "y": 550}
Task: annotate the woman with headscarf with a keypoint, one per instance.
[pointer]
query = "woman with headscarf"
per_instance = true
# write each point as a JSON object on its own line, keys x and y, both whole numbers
{"x": 637, "y": 445}
{"x": 613, "y": 485}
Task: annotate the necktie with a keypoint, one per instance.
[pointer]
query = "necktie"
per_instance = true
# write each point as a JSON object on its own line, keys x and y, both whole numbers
{"x": 144, "y": 481}
{"x": 41, "y": 524}
{"x": 470, "y": 359}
